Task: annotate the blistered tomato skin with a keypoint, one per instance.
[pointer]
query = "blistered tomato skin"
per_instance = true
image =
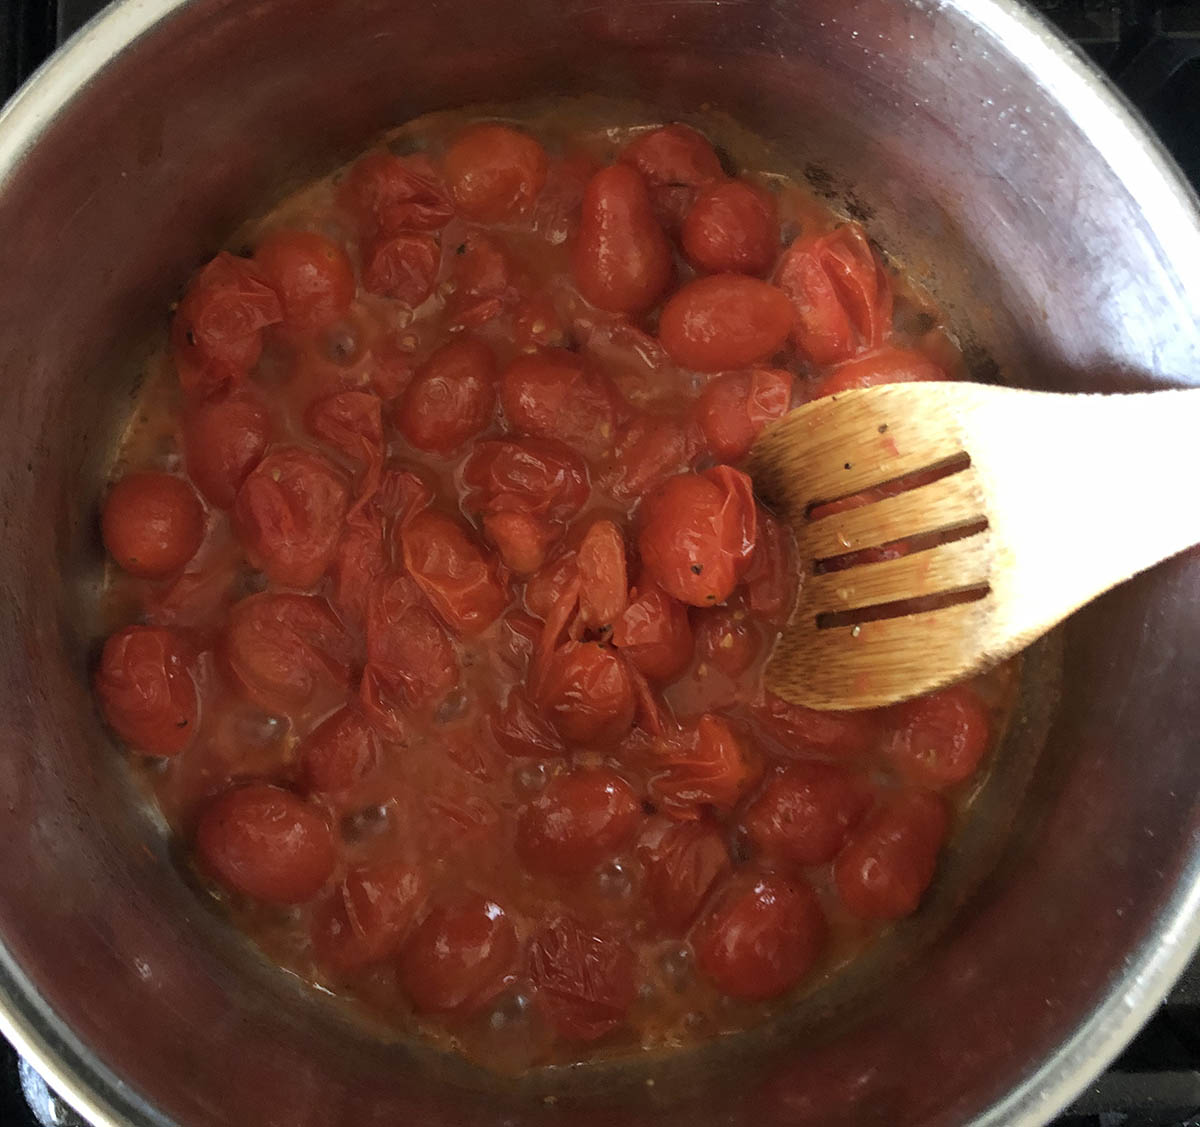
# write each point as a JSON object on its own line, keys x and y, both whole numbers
{"x": 682, "y": 862}
{"x": 152, "y": 524}
{"x": 495, "y": 172}
{"x": 676, "y": 162}
{"x": 587, "y": 693}
{"x": 939, "y": 740}
{"x": 312, "y": 275}
{"x": 733, "y": 227}
{"x": 888, "y": 365}
{"x": 555, "y": 394}
{"x": 402, "y": 266}
{"x": 733, "y": 408}
{"x": 223, "y": 440}
{"x": 387, "y": 194}
{"x": 338, "y": 753}
{"x": 725, "y": 321}
{"x": 451, "y": 398}
{"x": 368, "y": 916}
{"x": 804, "y": 814}
{"x": 654, "y": 634}
{"x": 146, "y": 689}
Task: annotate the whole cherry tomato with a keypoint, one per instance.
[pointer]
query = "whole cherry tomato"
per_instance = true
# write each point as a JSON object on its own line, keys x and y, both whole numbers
{"x": 654, "y": 634}
{"x": 351, "y": 422}
{"x": 587, "y": 693}
{"x": 889, "y": 861}
{"x": 521, "y": 730}
{"x": 733, "y": 227}
{"x": 406, "y": 645}
{"x": 217, "y": 332}
{"x": 494, "y": 172}
{"x": 804, "y": 814}
{"x": 460, "y": 957}
{"x": 358, "y": 561}
{"x": 146, "y": 690}
{"x": 451, "y": 399}
{"x": 521, "y": 538}
{"x": 681, "y": 862}
{"x": 535, "y": 475}
{"x": 554, "y": 394}
{"x": 284, "y": 650}
{"x": 369, "y": 915}
{"x": 621, "y": 260}
{"x": 223, "y": 440}
{"x": 152, "y": 524}
{"x": 584, "y": 978}
{"x": 337, "y": 753}
{"x": 734, "y": 407}
{"x": 605, "y": 584}
{"x": 582, "y": 818}
{"x": 452, "y": 570}
{"x": 761, "y": 937}
{"x": 402, "y": 265}
{"x": 698, "y": 534}
{"x": 676, "y": 163}
{"x": 288, "y": 515}
{"x": 710, "y": 766}
{"x": 887, "y": 365}
{"x": 939, "y": 740}
{"x": 727, "y": 638}
{"x": 773, "y": 575}
{"x": 387, "y": 194}
{"x": 312, "y": 276}
{"x": 724, "y": 321}
{"x": 806, "y": 731}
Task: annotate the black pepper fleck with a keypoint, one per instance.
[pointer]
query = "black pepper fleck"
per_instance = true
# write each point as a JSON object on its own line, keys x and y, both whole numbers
{"x": 883, "y": 428}
{"x": 697, "y": 569}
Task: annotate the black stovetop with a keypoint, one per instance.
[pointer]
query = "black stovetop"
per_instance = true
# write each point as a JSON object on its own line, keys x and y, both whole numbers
{"x": 1151, "y": 48}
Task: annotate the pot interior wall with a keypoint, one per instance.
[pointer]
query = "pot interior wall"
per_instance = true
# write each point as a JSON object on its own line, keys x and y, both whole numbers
{"x": 963, "y": 166}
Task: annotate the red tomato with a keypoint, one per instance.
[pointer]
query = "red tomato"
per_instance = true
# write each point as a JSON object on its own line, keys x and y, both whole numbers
{"x": 581, "y": 819}
{"x": 763, "y": 935}
{"x": 727, "y": 639}
{"x": 288, "y": 515}
{"x": 217, "y": 332}
{"x": 860, "y": 280}
{"x": 388, "y": 194}
{"x": 651, "y": 449}
{"x": 494, "y": 172}
{"x": 402, "y": 265}
{"x": 451, "y": 399}
{"x": 654, "y": 634}
{"x": 406, "y": 645}
{"x": 733, "y": 408}
{"x": 587, "y": 693}
{"x": 724, "y": 321}
{"x": 536, "y": 324}
{"x": 584, "y": 978}
{"x": 888, "y": 365}
{"x": 621, "y": 260}
{"x": 676, "y": 162}
{"x": 460, "y": 957}
{"x": 351, "y": 422}
{"x": 605, "y": 584}
{"x": 733, "y": 227}
{"x": 152, "y": 524}
{"x": 284, "y": 650}
{"x": 681, "y": 862}
{"x": 521, "y": 730}
{"x": 483, "y": 278}
{"x": 889, "y": 861}
{"x": 146, "y": 691}
{"x": 312, "y": 276}
{"x": 369, "y": 916}
{"x": 223, "y": 440}
{"x": 939, "y": 740}
{"x": 552, "y": 394}
{"x": 337, "y": 753}
{"x": 804, "y": 814}
{"x": 521, "y": 539}
{"x": 698, "y": 534}
{"x": 544, "y": 589}
{"x": 773, "y": 574}
{"x": 534, "y": 475}
{"x": 805, "y": 731}
{"x": 265, "y": 843}
{"x": 403, "y": 493}
{"x": 712, "y": 766}
{"x": 453, "y": 572}
{"x": 358, "y": 560}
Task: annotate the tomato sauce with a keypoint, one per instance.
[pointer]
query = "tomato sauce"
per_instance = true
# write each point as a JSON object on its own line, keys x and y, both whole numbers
{"x": 440, "y": 606}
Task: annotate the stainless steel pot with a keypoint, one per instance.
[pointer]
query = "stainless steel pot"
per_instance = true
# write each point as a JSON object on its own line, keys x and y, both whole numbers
{"x": 980, "y": 150}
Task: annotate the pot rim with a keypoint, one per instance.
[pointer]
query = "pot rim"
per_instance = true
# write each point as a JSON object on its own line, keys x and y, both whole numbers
{"x": 1171, "y": 210}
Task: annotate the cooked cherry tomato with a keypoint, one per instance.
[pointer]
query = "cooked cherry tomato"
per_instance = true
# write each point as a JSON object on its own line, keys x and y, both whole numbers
{"x": 152, "y": 524}
{"x": 621, "y": 260}
{"x": 804, "y": 814}
{"x": 546, "y": 587}
{"x": 311, "y": 274}
{"x": 351, "y": 422}
{"x": 939, "y": 740}
{"x": 388, "y": 194}
{"x": 861, "y": 280}
{"x": 285, "y": 650}
{"x": 553, "y": 394}
{"x": 654, "y": 634}
{"x": 484, "y": 281}
{"x": 710, "y": 766}
{"x": 761, "y": 937}
{"x": 453, "y": 572}
{"x": 676, "y": 162}
{"x": 650, "y": 449}
{"x": 521, "y": 730}
{"x": 337, "y": 753}
{"x": 288, "y": 515}
{"x": 605, "y": 584}
{"x": 773, "y": 574}
{"x": 146, "y": 690}
{"x": 584, "y": 978}
{"x": 581, "y": 819}
{"x": 724, "y": 321}
{"x": 733, "y": 408}
{"x": 888, "y": 365}
{"x": 733, "y": 227}
{"x": 805, "y": 731}
{"x": 727, "y": 639}
{"x": 536, "y": 324}
{"x": 403, "y": 492}
{"x": 494, "y": 172}
{"x": 460, "y": 957}
{"x": 223, "y": 440}
{"x": 889, "y": 861}
{"x": 402, "y": 265}
{"x": 265, "y": 843}
{"x": 370, "y": 914}
{"x": 535, "y": 475}
{"x": 698, "y": 534}
{"x": 681, "y": 862}
{"x": 357, "y": 561}
{"x": 406, "y": 645}
{"x": 451, "y": 399}
{"x": 217, "y": 333}
{"x": 521, "y": 539}
{"x": 587, "y": 693}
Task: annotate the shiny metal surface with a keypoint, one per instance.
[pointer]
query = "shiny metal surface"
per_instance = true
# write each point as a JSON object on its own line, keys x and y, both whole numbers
{"x": 979, "y": 150}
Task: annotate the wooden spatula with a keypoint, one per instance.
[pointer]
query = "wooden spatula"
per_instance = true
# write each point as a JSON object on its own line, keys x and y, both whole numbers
{"x": 1000, "y": 513}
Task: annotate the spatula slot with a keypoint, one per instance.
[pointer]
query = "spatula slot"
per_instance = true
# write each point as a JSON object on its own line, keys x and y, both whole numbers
{"x": 901, "y": 608}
